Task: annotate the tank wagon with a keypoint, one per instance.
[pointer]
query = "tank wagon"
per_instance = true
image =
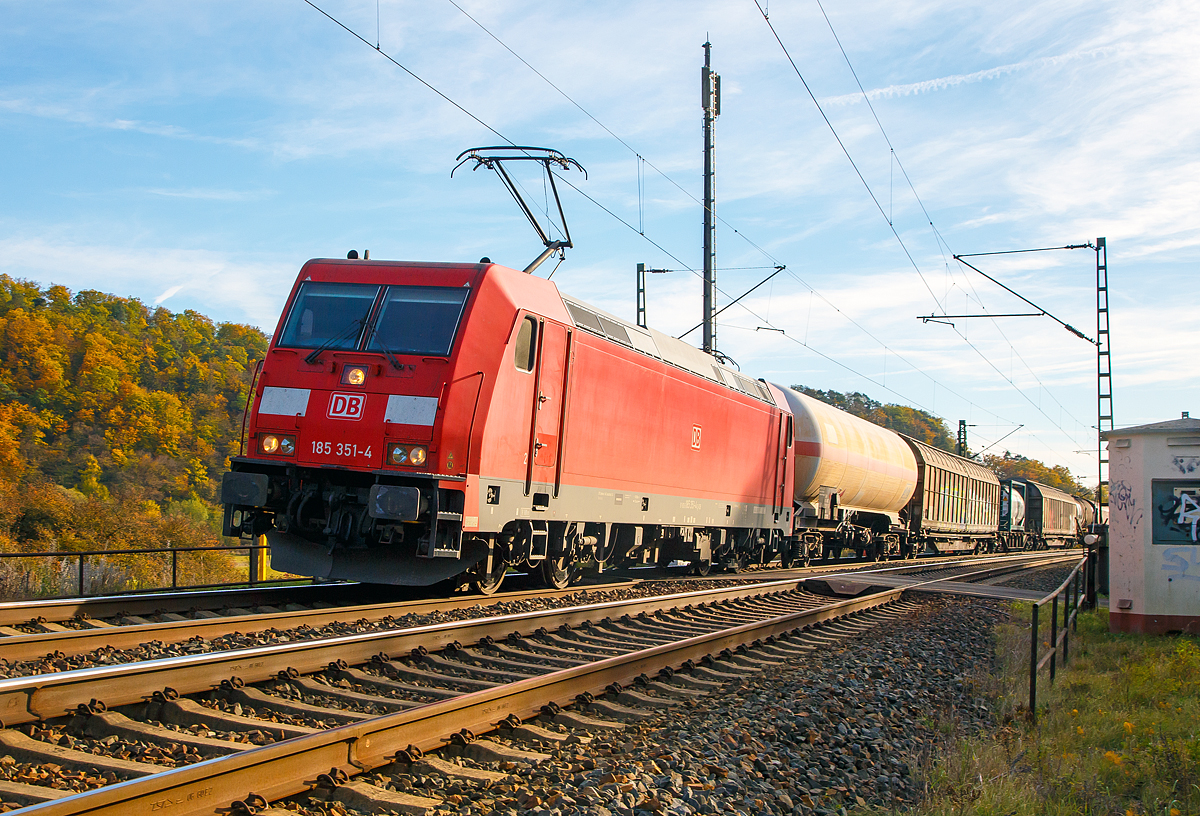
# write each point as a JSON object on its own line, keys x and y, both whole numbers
{"x": 415, "y": 423}
{"x": 853, "y": 479}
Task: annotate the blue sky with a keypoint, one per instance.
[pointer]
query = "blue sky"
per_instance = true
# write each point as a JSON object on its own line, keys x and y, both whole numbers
{"x": 196, "y": 154}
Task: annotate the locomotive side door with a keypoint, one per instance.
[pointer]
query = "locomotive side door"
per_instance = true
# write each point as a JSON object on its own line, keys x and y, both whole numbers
{"x": 550, "y": 379}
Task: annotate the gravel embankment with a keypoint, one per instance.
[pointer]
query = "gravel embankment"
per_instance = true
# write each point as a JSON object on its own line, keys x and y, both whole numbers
{"x": 847, "y": 727}
{"x": 1045, "y": 580}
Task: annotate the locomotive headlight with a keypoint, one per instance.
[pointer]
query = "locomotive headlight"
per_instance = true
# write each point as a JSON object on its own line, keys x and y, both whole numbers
{"x": 354, "y": 375}
{"x": 277, "y": 444}
{"x": 414, "y": 455}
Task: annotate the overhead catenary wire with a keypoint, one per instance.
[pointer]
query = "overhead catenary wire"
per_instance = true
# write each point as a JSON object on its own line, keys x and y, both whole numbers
{"x": 849, "y": 158}
{"x": 641, "y": 228}
{"x": 656, "y": 244}
{"x": 570, "y": 184}
{"x": 940, "y": 239}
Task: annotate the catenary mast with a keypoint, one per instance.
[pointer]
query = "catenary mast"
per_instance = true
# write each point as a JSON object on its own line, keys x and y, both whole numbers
{"x": 710, "y": 87}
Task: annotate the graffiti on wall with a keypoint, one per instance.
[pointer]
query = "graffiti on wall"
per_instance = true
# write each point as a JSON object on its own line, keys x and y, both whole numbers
{"x": 1187, "y": 464}
{"x": 1176, "y": 511}
{"x": 1178, "y": 561}
{"x": 1122, "y": 501}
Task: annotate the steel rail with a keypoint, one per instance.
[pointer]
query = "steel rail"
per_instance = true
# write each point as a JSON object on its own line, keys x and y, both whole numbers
{"x": 18, "y": 648}
{"x": 103, "y": 606}
{"x": 42, "y": 696}
{"x": 1035, "y": 557}
{"x": 989, "y": 571}
{"x": 292, "y": 766}
{"x": 61, "y": 609}
{"x": 79, "y": 641}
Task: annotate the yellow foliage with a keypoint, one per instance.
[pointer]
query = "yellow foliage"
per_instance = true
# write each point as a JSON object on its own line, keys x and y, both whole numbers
{"x": 100, "y": 392}
{"x": 109, "y": 413}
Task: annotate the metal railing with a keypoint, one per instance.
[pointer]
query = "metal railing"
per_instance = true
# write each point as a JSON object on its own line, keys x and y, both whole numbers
{"x": 254, "y": 563}
{"x": 1075, "y": 593}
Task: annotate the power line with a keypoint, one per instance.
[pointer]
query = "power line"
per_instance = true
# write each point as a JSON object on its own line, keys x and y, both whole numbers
{"x": 941, "y": 242}
{"x": 365, "y": 42}
{"x": 659, "y": 246}
{"x": 849, "y": 158}
{"x": 940, "y": 239}
{"x": 775, "y": 261}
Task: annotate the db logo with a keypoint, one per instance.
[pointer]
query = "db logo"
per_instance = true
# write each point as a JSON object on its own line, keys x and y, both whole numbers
{"x": 696, "y": 437}
{"x": 346, "y": 406}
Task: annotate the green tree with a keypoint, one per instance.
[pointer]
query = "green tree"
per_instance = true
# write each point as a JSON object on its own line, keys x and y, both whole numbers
{"x": 920, "y": 425}
{"x": 1012, "y": 465}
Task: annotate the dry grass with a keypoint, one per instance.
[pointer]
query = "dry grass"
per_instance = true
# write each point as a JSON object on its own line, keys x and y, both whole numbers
{"x": 1117, "y": 732}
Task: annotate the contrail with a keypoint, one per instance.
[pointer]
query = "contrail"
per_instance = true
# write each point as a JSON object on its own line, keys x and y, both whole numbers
{"x": 942, "y": 83}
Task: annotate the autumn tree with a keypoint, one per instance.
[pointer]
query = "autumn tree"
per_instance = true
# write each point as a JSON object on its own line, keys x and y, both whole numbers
{"x": 920, "y": 425}
{"x": 116, "y": 422}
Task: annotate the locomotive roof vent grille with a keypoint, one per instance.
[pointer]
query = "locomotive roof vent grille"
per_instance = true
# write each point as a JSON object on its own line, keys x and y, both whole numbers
{"x": 614, "y": 330}
{"x": 608, "y": 328}
{"x": 585, "y": 319}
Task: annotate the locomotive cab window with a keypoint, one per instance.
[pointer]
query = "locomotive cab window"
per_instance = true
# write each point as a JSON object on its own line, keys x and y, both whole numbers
{"x": 330, "y": 315}
{"x": 525, "y": 352}
{"x": 418, "y": 320}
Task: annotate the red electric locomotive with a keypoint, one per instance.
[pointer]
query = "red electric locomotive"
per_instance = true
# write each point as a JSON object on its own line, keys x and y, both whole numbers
{"x": 415, "y": 423}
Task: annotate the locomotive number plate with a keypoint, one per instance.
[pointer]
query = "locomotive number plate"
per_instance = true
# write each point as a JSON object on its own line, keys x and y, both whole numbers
{"x": 346, "y": 449}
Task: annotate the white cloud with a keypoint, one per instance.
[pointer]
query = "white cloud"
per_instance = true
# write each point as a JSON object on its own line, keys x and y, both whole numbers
{"x": 224, "y": 286}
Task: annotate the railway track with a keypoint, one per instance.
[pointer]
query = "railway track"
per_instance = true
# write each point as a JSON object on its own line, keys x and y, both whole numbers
{"x": 330, "y": 709}
{"x": 55, "y": 631}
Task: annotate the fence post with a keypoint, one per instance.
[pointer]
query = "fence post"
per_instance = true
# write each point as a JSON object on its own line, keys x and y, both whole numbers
{"x": 1067, "y": 626}
{"x": 1093, "y": 577}
{"x": 174, "y": 569}
{"x": 1078, "y": 598}
{"x": 1033, "y": 661}
{"x": 1053, "y": 634}
{"x": 81, "y": 575}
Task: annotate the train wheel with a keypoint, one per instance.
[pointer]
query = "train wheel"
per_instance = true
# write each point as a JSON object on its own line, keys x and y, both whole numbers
{"x": 556, "y": 572}
{"x": 489, "y": 584}
{"x": 786, "y": 556}
{"x": 701, "y": 568}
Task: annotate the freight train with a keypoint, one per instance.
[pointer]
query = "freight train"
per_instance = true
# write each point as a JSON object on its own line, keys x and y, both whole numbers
{"x": 437, "y": 423}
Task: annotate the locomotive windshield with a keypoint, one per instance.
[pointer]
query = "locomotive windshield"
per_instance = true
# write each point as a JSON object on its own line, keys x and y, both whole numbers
{"x": 328, "y": 315}
{"x": 418, "y": 320}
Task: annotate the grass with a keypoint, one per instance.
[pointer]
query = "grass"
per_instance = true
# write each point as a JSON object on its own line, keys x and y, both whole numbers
{"x": 1117, "y": 733}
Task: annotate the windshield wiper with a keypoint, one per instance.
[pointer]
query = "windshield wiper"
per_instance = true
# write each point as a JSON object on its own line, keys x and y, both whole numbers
{"x": 387, "y": 352}
{"x": 315, "y": 354}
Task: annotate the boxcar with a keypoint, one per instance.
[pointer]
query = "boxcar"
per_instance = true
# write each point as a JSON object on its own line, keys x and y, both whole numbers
{"x": 956, "y": 504}
{"x": 1053, "y": 517}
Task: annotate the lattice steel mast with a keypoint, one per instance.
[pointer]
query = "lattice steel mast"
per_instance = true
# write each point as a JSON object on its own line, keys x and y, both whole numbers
{"x": 1104, "y": 408}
